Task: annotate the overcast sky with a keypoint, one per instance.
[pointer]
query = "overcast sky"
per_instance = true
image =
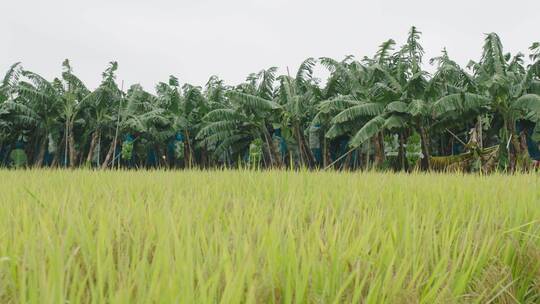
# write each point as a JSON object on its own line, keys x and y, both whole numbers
{"x": 232, "y": 38}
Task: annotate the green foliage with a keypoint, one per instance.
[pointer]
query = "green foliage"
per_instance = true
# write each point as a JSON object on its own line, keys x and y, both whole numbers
{"x": 362, "y": 101}
{"x": 364, "y": 109}
{"x": 127, "y": 150}
{"x": 371, "y": 128}
{"x": 458, "y": 104}
{"x": 255, "y": 154}
{"x": 18, "y": 158}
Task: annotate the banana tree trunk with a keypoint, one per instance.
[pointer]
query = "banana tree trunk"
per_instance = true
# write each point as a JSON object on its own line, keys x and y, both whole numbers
{"x": 73, "y": 154}
{"x": 378, "y": 144}
{"x": 58, "y": 156}
{"x": 30, "y": 149}
{"x": 162, "y": 156}
{"x": 424, "y": 143}
{"x": 38, "y": 162}
{"x": 347, "y": 162}
{"x": 301, "y": 148}
{"x": 204, "y": 157}
{"x": 109, "y": 155}
{"x": 309, "y": 154}
{"x": 402, "y": 154}
{"x": 93, "y": 142}
{"x": 306, "y": 157}
{"x": 275, "y": 158}
{"x": 515, "y": 151}
{"x": 65, "y": 141}
{"x": 55, "y": 160}
{"x": 267, "y": 152}
{"x": 479, "y": 132}
{"x": 188, "y": 155}
{"x": 325, "y": 152}
{"x": 368, "y": 150}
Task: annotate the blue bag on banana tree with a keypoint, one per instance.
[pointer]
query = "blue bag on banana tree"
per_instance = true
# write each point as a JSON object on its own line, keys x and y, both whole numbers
{"x": 282, "y": 143}
{"x": 179, "y": 137}
{"x": 532, "y": 146}
{"x": 151, "y": 158}
{"x": 317, "y": 153}
{"x": 48, "y": 159}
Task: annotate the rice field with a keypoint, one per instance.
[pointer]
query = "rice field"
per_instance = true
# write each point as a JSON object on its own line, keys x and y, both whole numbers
{"x": 268, "y": 237}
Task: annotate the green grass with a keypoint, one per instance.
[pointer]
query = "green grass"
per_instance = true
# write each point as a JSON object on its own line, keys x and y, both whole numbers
{"x": 268, "y": 237}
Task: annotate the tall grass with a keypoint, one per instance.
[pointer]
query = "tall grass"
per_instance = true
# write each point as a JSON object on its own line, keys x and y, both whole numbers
{"x": 268, "y": 237}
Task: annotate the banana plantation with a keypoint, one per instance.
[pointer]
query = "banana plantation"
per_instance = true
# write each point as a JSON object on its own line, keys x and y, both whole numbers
{"x": 383, "y": 111}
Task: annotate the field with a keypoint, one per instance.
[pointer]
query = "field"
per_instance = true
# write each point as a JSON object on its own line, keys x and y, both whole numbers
{"x": 268, "y": 237}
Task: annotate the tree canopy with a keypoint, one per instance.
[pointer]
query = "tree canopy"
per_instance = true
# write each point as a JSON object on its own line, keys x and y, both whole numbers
{"x": 380, "y": 111}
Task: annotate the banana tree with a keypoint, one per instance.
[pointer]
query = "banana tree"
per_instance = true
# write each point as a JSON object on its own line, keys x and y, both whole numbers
{"x": 395, "y": 99}
{"x": 298, "y": 98}
{"x": 355, "y": 95}
{"x": 500, "y": 81}
{"x": 8, "y": 90}
{"x": 170, "y": 98}
{"x": 527, "y": 106}
{"x": 229, "y": 130}
{"x": 194, "y": 107}
{"x": 333, "y": 98}
{"x": 252, "y": 109}
{"x": 233, "y": 127}
{"x": 140, "y": 113}
{"x": 73, "y": 92}
{"x": 366, "y": 89}
{"x": 100, "y": 107}
{"x": 450, "y": 79}
{"x": 38, "y": 105}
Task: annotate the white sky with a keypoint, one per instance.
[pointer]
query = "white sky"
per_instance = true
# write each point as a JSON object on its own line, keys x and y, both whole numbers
{"x": 231, "y": 38}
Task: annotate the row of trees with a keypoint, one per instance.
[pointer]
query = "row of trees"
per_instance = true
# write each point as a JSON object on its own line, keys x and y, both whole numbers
{"x": 383, "y": 111}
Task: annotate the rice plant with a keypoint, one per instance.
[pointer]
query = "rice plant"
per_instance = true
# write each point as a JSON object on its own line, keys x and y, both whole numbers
{"x": 273, "y": 236}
